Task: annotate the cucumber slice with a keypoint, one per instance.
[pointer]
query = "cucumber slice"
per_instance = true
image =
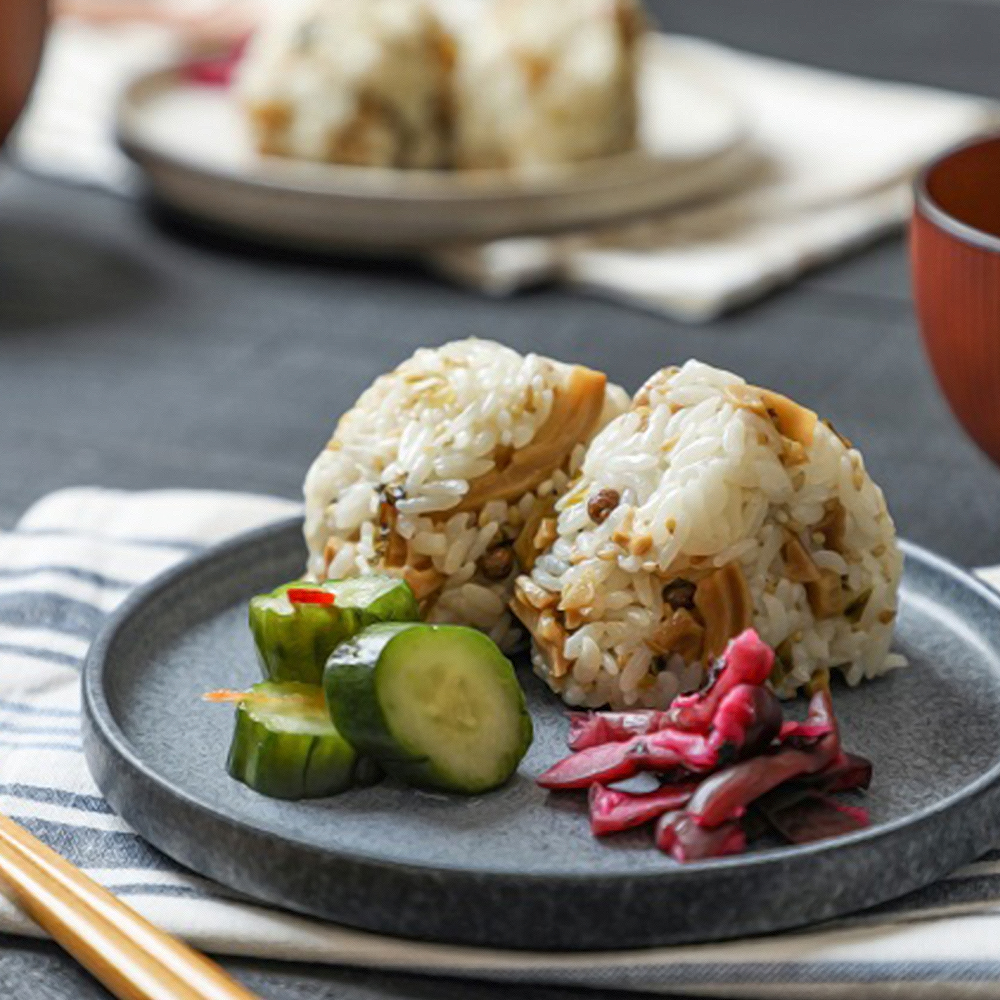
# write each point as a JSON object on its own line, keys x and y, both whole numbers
{"x": 438, "y": 706}
{"x": 286, "y": 746}
{"x": 294, "y": 639}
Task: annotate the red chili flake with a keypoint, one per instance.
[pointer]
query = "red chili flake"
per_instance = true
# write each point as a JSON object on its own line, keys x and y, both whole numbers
{"x": 215, "y": 70}
{"x": 310, "y": 595}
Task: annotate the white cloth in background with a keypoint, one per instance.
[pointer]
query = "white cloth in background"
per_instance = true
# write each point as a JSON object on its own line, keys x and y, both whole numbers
{"x": 74, "y": 557}
{"x": 67, "y": 130}
{"x": 837, "y": 154}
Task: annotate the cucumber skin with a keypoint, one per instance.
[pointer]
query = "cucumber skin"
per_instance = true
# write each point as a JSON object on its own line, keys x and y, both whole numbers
{"x": 294, "y": 641}
{"x": 352, "y": 697}
{"x": 284, "y": 765}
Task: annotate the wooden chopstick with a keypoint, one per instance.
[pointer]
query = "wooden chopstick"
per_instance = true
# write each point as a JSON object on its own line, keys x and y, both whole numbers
{"x": 131, "y": 957}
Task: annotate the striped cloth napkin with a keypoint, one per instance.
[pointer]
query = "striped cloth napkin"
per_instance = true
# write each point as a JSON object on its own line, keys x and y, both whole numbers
{"x": 77, "y": 553}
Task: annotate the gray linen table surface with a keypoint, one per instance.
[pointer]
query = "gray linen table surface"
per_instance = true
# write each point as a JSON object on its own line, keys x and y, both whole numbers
{"x": 137, "y": 353}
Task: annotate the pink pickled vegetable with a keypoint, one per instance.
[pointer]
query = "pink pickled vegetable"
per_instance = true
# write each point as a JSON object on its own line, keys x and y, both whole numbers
{"x": 590, "y": 729}
{"x": 678, "y": 835}
{"x": 817, "y": 817}
{"x": 716, "y": 753}
{"x": 669, "y": 748}
{"x": 746, "y": 722}
{"x": 747, "y": 660}
{"x": 844, "y": 774}
{"x": 612, "y": 811}
{"x": 748, "y": 719}
{"x": 605, "y": 764}
{"x": 660, "y": 752}
{"x": 725, "y": 795}
{"x": 803, "y": 732}
{"x": 819, "y": 722}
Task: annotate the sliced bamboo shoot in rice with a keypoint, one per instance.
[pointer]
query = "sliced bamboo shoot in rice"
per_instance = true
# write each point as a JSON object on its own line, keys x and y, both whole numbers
{"x": 681, "y": 633}
{"x": 576, "y": 410}
{"x": 724, "y": 603}
{"x": 799, "y": 565}
{"x": 833, "y": 526}
{"x": 445, "y": 474}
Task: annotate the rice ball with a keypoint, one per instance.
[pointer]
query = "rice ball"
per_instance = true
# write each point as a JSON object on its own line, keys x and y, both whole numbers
{"x": 361, "y": 82}
{"x": 709, "y": 507}
{"x": 547, "y": 81}
{"x": 446, "y": 472}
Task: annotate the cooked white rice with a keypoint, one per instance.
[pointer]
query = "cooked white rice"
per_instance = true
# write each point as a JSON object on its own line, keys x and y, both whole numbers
{"x": 415, "y": 480}
{"x": 547, "y": 81}
{"x": 362, "y": 82}
{"x": 724, "y": 505}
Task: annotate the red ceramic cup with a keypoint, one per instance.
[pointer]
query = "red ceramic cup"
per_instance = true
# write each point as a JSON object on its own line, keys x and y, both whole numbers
{"x": 955, "y": 248}
{"x": 22, "y": 28}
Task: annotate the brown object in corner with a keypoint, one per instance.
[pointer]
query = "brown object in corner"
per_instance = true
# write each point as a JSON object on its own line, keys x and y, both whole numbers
{"x": 22, "y": 30}
{"x": 955, "y": 251}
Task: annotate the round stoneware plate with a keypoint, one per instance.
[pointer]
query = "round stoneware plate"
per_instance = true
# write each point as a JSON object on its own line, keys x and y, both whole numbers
{"x": 193, "y": 144}
{"x": 518, "y": 867}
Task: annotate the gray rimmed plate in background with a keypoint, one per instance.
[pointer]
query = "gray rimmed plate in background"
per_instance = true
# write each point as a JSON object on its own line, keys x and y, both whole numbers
{"x": 518, "y": 867}
{"x": 193, "y": 145}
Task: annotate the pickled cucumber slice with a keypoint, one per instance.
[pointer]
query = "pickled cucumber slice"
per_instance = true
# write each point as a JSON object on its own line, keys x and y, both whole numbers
{"x": 294, "y": 638}
{"x": 285, "y": 745}
{"x": 437, "y": 706}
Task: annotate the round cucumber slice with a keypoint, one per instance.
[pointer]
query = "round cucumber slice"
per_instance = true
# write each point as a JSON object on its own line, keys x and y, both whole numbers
{"x": 438, "y": 706}
{"x": 286, "y": 746}
{"x": 295, "y": 638}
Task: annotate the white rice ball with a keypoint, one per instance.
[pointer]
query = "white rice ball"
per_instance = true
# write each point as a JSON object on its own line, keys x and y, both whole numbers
{"x": 712, "y": 506}
{"x": 547, "y": 81}
{"x": 446, "y": 472}
{"x": 362, "y": 82}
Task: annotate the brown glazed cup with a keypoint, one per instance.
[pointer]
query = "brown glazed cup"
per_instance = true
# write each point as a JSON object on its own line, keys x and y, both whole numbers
{"x": 22, "y": 30}
{"x": 955, "y": 249}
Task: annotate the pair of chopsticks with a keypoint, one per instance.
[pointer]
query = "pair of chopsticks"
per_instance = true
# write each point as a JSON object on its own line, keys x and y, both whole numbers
{"x": 131, "y": 957}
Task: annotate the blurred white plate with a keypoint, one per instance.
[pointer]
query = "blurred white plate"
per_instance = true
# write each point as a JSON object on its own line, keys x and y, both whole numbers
{"x": 193, "y": 144}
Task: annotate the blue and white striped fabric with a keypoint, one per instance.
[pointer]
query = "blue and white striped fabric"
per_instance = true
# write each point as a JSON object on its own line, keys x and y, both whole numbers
{"x": 77, "y": 553}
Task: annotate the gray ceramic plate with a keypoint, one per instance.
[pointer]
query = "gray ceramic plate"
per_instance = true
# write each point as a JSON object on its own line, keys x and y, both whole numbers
{"x": 518, "y": 867}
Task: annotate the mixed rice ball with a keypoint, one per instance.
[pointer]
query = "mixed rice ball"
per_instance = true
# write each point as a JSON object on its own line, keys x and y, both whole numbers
{"x": 360, "y": 82}
{"x": 451, "y": 83}
{"x": 546, "y": 81}
{"x": 446, "y": 472}
{"x": 711, "y": 506}
{"x": 632, "y": 540}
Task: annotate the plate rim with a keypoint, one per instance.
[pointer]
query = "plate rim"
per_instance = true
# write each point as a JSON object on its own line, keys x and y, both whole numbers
{"x": 359, "y": 183}
{"x": 337, "y": 208}
{"x": 102, "y": 725}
